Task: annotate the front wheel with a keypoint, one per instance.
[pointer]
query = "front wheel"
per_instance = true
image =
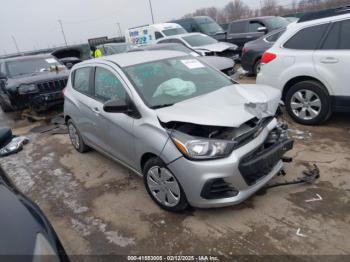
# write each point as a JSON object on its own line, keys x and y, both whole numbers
{"x": 308, "y": 103}
{"x": 163, "y": 186}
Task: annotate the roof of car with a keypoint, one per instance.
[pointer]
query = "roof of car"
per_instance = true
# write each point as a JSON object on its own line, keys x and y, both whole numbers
{"x": 134, "y": 58}
{"x": 182, "y": 35}
{"x": 28, "y": 57}
{"x": 253, "y": 18}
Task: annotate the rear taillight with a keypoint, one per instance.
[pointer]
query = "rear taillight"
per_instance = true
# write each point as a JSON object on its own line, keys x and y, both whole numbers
{"x": 268, "y": 57}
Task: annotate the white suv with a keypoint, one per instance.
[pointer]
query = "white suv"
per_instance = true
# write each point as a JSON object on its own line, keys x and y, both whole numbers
{"x": 310, "y": 62}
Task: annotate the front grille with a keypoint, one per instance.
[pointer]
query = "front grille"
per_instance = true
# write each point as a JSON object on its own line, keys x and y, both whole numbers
{"x": 52, "y": 86}
{"x": 261, "y": 161}
{"x": 218, "y": 188}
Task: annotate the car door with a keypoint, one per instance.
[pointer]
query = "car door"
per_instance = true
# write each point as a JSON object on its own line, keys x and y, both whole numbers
{"x": 253, "y": 30}
{"x": 332, "y": 61}
{"x": 237, "y": 33}
{"x": 116, "y": 129}
{"x": 85, "y": 114}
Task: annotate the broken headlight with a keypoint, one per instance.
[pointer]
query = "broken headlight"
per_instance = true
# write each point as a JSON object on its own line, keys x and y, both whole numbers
{"x": 27, "y": 89}
{"x": 200, "y": 149}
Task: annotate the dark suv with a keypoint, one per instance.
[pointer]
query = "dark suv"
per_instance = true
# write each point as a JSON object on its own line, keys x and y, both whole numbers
{"x": 202, "y": 24}
{"x": 31, "y": 81}
{"x": 242, "y": 31}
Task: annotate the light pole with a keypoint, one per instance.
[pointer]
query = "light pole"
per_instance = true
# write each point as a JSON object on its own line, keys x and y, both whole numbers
{"x": 15, "y": 42}
{"x": 64, "y": 35}
{"x": 150, "y": 6}
{"x": 120, "y": 30}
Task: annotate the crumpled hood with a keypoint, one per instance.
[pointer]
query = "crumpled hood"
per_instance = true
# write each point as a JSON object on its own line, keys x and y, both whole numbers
{"x": 217, "y": 47}
{"x": 229, "y": 106}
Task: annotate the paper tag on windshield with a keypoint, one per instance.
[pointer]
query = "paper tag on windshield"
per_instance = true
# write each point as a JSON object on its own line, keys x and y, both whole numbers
{"x": 51, "y": 60}
{"x": 192, "y": 63}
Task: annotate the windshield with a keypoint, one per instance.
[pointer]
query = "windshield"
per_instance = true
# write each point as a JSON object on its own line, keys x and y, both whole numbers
{"x": 174, "y": 31}
{"x": 166, "y": 82}
{"x": 277, "y": 22}
{"x": 209, "y": 26}
{"x": 199, "y": 40}
{"x": 30, "y": 66}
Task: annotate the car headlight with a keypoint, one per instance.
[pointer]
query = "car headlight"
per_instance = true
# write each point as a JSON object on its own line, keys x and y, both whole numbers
{"x": 27, "y": 89}
{"x": 200, "y": 149}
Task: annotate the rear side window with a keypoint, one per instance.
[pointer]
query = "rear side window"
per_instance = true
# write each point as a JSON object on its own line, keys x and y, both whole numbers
{"x": 338, "y": 37}
{"x": 81, "y": 81}
{"x": 274, "y": 37}
{"x": 238, "y": 27}
{"x": 307, "y": 38}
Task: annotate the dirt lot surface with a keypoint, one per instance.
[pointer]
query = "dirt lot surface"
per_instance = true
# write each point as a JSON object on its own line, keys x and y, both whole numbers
{"x": 99, "y": 207}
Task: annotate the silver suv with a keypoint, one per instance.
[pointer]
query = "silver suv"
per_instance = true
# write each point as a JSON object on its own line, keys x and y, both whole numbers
{"x": 194, "y": 135}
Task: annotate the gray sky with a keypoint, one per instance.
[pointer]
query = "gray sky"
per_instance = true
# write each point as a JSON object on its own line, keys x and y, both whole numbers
{"x": 34, "y": 23}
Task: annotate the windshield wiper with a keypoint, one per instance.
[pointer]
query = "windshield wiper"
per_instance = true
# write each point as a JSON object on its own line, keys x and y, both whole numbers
{"x": 161, "y": 106}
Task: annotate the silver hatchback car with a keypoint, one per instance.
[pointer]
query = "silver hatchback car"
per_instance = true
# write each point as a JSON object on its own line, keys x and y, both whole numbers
{"x": 197, "y": 137}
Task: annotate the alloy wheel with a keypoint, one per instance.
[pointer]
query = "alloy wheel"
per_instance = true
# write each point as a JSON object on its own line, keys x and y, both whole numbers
{"x": 306, "y": 104}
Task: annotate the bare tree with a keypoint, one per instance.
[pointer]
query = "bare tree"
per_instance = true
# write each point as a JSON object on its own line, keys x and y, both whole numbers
{"x": 236, "y": 10}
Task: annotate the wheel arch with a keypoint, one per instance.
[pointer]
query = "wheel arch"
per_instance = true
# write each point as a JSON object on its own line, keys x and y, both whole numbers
{"x": 145, "y": 157}
{"x": 298, "y": 79}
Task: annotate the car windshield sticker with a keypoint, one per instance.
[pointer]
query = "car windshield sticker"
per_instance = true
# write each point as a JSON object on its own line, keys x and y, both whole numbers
{"x": 192, "y": 63}
{"x": 51, "y": 60}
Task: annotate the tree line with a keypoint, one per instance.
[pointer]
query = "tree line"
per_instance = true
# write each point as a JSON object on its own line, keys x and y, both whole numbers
{"x": 237, "y": 9}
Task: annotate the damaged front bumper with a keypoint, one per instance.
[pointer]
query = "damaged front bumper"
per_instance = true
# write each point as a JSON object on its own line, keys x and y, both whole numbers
{"x": 231, "y": 180}
{"x": 39, "y": 102}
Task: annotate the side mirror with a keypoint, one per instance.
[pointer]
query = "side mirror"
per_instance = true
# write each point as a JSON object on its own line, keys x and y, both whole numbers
{"x": 2, "y": 76}
{"x": 116, "y": 106}
{"x": 262, "y": 29}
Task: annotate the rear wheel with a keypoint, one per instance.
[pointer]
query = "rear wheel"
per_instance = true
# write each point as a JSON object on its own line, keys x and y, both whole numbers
{"x": 257, "y": 67}
{"x": 308, "y": 103}
{"x": 75, "y": 138}
{"x": 163, "y": 186}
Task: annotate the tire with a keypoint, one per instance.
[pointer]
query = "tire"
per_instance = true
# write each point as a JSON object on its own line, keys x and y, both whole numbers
{"x": 308, "y": 103}
{"x": 75, "y": 138}
{"x": 156, "y": 173}
{"x": 257, "y": 67}
{"x": 5, "y": 107}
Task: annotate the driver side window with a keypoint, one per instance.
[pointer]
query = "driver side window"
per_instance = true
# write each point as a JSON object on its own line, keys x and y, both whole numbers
{"x": 108, "y": 86}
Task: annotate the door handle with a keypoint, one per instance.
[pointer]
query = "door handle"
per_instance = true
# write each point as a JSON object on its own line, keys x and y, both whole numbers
{"x": 329, "y": 60}
{"x": 95, "y": 110}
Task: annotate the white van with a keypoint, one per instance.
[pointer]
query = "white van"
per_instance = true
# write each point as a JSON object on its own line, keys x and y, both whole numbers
{"x": 149, "y": 34}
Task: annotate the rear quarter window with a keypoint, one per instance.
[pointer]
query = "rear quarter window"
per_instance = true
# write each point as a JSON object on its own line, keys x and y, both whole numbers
{"x": 308, "y": 38}
{"x": 81, "y": 80}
